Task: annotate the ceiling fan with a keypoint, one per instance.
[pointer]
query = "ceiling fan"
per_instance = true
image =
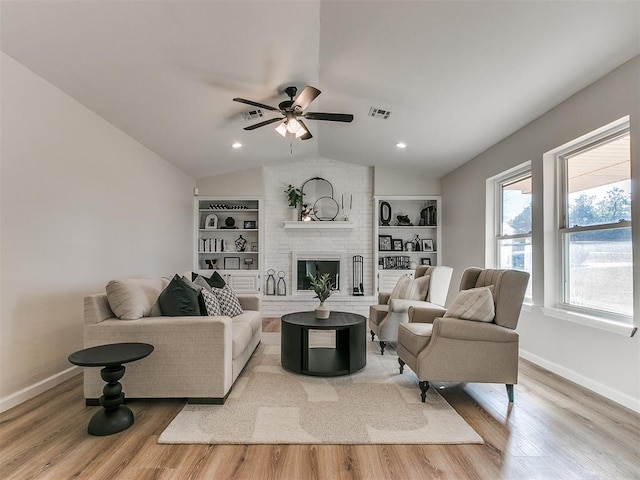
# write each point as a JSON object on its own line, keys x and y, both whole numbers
{"x": 292, "y": 112}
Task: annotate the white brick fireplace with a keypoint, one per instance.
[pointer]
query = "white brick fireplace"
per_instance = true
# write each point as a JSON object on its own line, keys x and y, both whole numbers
{"x": 282, "y": 246}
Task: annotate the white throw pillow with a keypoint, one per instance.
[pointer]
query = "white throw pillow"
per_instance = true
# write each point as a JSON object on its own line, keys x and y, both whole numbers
{"x": 133, "y": 298}
{"x": 229, "y": 303}
{"x": 411, "y": 289}
{"x": 473, "y": 304}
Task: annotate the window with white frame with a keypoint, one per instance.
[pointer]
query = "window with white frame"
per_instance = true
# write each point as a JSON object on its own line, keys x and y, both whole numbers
{"x": 512, "y": 224}
{"x": 594, "y": 225}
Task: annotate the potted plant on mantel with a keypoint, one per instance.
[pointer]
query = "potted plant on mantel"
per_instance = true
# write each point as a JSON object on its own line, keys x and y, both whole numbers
{"x": 322, "y": 287}
{"x": 294, "y": 197}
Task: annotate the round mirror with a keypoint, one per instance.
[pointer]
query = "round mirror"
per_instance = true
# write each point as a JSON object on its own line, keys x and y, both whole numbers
{"x": 315, "y": 188}
{"x": 325, "y": 209}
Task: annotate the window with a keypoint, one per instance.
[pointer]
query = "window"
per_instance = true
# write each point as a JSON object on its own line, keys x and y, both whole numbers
{"x": 511, "y": 232}
{"x": 594, "y": 225}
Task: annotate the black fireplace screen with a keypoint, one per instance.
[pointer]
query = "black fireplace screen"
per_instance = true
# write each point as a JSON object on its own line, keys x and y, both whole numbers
{"x": 318, "y": 267}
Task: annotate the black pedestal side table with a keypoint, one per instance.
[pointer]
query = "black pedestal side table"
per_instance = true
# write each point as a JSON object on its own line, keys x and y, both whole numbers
{"x": 113, "y": 417}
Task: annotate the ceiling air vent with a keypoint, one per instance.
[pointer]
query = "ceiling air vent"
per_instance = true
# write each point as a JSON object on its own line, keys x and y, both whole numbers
{"x": 252, "y": 114}
{"x": 379, "y": 113}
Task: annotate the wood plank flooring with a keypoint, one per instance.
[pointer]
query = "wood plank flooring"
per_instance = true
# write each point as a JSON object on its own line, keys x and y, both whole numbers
{"x": 555, "y": 430}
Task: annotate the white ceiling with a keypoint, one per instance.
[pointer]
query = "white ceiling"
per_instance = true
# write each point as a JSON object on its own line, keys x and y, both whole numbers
{"x": 457, "y": 76}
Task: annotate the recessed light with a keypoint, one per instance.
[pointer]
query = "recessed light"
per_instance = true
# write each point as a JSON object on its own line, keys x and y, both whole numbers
{"x": 401, "y": 145}
{"x": 236, "y": 145}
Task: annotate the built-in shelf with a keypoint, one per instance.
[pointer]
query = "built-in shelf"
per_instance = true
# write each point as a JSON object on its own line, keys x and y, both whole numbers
{"x": 338, "y": 225}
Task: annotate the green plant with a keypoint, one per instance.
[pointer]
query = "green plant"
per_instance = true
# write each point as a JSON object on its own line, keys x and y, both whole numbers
{"x": 321, "y": 285}
{"x": 294, "y": 196}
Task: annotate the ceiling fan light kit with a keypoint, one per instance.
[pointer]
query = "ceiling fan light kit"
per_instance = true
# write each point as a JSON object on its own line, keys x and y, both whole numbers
{"x": 292, "y": 112}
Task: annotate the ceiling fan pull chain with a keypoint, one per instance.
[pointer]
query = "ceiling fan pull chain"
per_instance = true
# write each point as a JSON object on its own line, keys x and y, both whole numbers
{"x": 291, "y": 145}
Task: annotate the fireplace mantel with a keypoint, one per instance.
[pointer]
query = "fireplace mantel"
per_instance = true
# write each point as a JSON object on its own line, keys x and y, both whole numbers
{"x": 336, "y": 225}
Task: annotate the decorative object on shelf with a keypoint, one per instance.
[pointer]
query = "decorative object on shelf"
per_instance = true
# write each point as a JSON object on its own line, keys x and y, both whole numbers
{"x": 400, "y": 262}
{"x": 254, "y": 246}
{"x": 428, "y": 216}
{"x": 417, "y": 244}
{"x": 250, "y": 225}
{"x": 413, "y": 265}
{"x": 385, "y": 214}
{"x": 322, "y": 287}
{"x": 408, "y": 246}
{"x": 211, "y": 222}
{"x": 346, "y": 211}
{"x": 248, "y": 262}
{"x": 307, "y": 213}
{"x": 425, "y": 261}
{"x": 384, "y": 243}
{"x": 427, "y": 245}
{"x": 397, "y": 245}
{"x": 282, "y": 285}
{"x": 319, "y": 193}
{"x": 241, "y": 244}
{"x": 294, "y": 198}
{"x": 222, "y": 206}
{"x": 232, "y": 263}
{"x": 403, "y": 221}
{"x": 358, "y": 288}
{"x": 229, "y": 223}
{"x": 212, "y": 263}
{"x": 271, "y": 282}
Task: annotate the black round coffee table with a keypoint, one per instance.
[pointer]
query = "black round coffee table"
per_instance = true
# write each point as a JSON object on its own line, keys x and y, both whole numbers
{"x": 349, "y": 355}
{"x": 114, "y": 417}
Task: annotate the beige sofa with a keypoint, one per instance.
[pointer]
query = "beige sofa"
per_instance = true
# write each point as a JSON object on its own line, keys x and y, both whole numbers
{"x": 197, "y": 358}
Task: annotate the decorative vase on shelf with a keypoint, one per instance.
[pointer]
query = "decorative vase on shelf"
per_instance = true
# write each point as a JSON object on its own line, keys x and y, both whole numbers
{"x": 294, "y": 214}
{"x": 322, "y": 312}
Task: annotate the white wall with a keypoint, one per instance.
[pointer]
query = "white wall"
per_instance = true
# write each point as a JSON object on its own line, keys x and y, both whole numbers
{"x": 403, "y": 181}
{"x": 81, "y": 203}
{"x": 602, "y": 361}
{"x": 241, "y": 183}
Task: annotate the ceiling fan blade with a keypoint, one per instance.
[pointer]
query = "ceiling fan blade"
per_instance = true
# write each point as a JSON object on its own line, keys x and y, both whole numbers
{"x": 262, "y": 124}
{"x": 332, "y": 117}
{"x": 307, "y": 134}
{"x": 305, "y": 98}
{"x": 256, "y": 104}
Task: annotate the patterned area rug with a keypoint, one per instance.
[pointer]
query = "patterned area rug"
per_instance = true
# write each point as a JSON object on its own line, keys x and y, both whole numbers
{"x": 269, "y": 405}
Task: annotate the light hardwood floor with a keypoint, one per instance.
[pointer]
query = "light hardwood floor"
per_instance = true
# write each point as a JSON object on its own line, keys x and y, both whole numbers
{"x": 555, "y": 430}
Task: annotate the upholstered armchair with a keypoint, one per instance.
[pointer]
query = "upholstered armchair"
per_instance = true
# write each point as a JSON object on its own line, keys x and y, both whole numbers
{"x": 385, "y": 317}
{"x": 450, "y": 349}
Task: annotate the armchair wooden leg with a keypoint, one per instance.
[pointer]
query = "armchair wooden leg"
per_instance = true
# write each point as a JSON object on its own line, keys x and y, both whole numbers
{"x": 510, "y": 392}
{"x": 402, "y": 364}
{"x": 424, "y": 386}
{"x": 382, "y": 346}
{"x": 373, "y": 335}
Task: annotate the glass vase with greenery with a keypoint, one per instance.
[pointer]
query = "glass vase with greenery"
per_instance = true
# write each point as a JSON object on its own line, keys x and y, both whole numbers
{"x": 294, "y": 196}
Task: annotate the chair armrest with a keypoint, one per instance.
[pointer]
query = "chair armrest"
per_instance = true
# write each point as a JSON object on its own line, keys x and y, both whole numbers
{"x": 383, "y": 298}
{"x": 249, "y": 301}
{"x": 459, "y": 329}
{"x": 425, "y": 314}
{"x": 402, "y": 305}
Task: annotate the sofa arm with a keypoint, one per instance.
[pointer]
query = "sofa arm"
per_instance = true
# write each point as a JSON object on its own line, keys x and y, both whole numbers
{"x": 456, "y": 328}
{"x": 383, "y": 298}
{"x": 249, "y": 301}
{"x": 425, "y": 314}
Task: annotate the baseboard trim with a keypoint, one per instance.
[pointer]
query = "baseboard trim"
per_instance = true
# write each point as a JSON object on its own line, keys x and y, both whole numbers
{"x": 597, "y": 387}
{"x": 36, "y": 389}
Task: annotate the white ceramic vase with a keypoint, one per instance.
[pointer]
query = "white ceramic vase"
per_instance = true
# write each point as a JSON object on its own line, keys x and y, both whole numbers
{"x": 322, "y": 312}
{"x": 294, "y": 214}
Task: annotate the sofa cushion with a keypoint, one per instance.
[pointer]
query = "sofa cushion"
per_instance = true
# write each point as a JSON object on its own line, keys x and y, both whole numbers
{"x": 179, "y": 299}
{"x": 473, "y": 304}
{"x": 201, "y": 282}
{"x": 229, "y": 303}
{"x": 241, "y": 337}
{"x": 253, "y": 318}
{"x": 215, "y": 280}
{"x": 133, "y": 298}
{"x": 211, "y": 303}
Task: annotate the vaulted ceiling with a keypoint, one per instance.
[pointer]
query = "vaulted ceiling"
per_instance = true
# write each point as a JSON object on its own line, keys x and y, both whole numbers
{"x": 457, "y": 77}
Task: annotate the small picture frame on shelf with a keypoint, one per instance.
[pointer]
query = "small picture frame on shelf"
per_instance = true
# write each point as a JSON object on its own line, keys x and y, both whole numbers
{"x": 427, "y": 245}
{"x": 254, "y": 246}
{"x": 211, "y": 222}
{"x": 425, "y": 261}
{"x": 250, "y": 224}
{"x": 397, "y": 245}
{"x": 384, "y": 243}
{"x": 232, "y": 263}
